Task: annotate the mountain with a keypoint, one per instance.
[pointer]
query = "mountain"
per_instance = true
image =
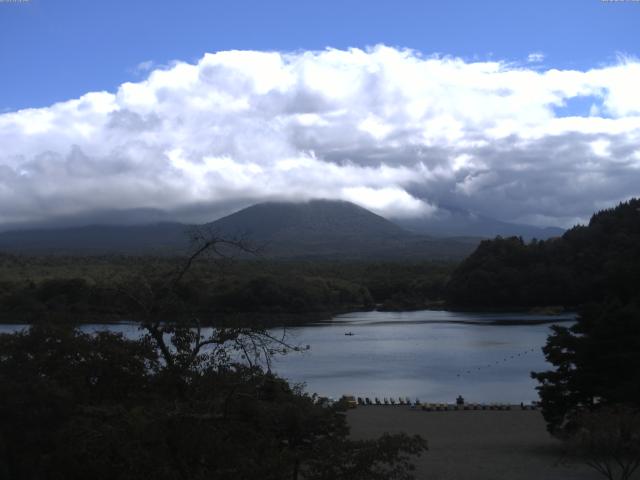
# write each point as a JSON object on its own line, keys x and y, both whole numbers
{"x": 452, "y": 222}
{"x": 323, "y": 229}
{"x": 332, "y": 229}
{"x": 317, "y": 218}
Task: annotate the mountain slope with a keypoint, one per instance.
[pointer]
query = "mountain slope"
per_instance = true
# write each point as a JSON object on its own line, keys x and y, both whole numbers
{"x": 449, "y": 222}
{"x": 332, "y": 229}
{"x": 317, "y": 229}
{"x": 317, "y": 219}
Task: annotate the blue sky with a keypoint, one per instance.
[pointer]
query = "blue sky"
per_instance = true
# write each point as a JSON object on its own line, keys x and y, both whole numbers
{"x": 525, "y": 111}
{"x": 56, "y": 50}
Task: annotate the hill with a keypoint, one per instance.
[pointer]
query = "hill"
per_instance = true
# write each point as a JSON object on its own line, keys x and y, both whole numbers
{"x": 588, "y": 263}
{"x": 319, "y": 229}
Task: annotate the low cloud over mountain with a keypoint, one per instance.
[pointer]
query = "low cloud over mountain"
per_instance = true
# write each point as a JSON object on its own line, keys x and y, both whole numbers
{"x": 392, "y": 130}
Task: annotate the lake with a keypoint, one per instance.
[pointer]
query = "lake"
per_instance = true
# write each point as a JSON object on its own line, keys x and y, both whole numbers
{"x": 431, "y": 355}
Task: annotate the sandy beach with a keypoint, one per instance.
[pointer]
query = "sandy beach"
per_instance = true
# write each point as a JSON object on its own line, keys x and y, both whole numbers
{"x": 475, "y": 445}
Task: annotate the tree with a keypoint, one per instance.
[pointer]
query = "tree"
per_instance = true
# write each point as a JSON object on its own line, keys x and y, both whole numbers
{"x": 174, "y": 404}
{"x": 592, "y": 398}
{"x": 596, "y": 363}
{"x": 587, "y": 264}
{"x": 156, "y": 298}
{"x": 609, "y": 440}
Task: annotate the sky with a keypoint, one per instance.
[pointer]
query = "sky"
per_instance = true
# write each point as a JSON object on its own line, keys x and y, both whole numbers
{"x": 524, "y": 111}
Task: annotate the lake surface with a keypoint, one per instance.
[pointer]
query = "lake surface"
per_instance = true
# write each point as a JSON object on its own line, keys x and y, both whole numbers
{"x": 425, "y": 354}
{"x": 432, "y": 355}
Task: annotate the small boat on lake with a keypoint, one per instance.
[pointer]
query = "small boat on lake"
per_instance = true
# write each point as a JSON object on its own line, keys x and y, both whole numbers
{"x": 348, "y": 333}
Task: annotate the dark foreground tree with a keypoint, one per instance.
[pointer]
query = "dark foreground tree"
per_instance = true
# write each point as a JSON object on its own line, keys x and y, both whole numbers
{"x": 175, "y": 403}
{"x": 592, "y": 398}
{"x": 76, "y": 405}
{"x": 609, "y": 440}
{"x": 597, "y": 363}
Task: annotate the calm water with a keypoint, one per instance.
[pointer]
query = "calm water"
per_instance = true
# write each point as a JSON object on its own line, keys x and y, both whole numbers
{"x": 423, "y": 354}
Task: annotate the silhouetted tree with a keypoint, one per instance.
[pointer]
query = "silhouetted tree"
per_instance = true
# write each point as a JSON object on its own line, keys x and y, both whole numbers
{"x": 176, "y": 403}
{"x": 597, "y": 362}
{"x": 609, "y": 441}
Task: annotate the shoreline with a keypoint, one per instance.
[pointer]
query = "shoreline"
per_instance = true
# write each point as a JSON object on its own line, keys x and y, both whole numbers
{"x": 290, "y": 319}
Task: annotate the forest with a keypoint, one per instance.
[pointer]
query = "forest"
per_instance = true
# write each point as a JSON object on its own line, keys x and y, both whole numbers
{"x": 589, "y": 263}
{"x": 50, "y": 288}
{"x": 591, "y": 398}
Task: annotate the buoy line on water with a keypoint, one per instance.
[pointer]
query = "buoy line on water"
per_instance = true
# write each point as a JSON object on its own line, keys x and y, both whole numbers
{"x": 497, "y": 362}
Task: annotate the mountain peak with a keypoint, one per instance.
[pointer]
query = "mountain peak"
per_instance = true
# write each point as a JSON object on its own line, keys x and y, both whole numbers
{"x": 335, "y": 218}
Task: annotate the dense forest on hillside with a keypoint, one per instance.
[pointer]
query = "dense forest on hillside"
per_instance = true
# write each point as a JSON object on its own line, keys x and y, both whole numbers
{"x": 591, "y": 398}
{"x": 587, "y": 264}
{"x": 35, "y": 289}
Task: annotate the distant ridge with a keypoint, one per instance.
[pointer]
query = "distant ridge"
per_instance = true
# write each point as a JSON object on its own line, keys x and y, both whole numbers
{"x": 318, "y": 229}
{"x": 453, "y": 222}
{"x": 158, "y": 238}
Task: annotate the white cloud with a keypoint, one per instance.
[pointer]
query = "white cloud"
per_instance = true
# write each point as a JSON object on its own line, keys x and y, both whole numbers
{"x": 535, "y": 57}
{"x": 144, "y": 67}
{"x": 390, "y": 129}
{"x": 388, "y": 201}
{"x": 601, "y": 148}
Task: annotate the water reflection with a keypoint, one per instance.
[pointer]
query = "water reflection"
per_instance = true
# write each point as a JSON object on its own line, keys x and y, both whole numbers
{"x": 432, "y": 355}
